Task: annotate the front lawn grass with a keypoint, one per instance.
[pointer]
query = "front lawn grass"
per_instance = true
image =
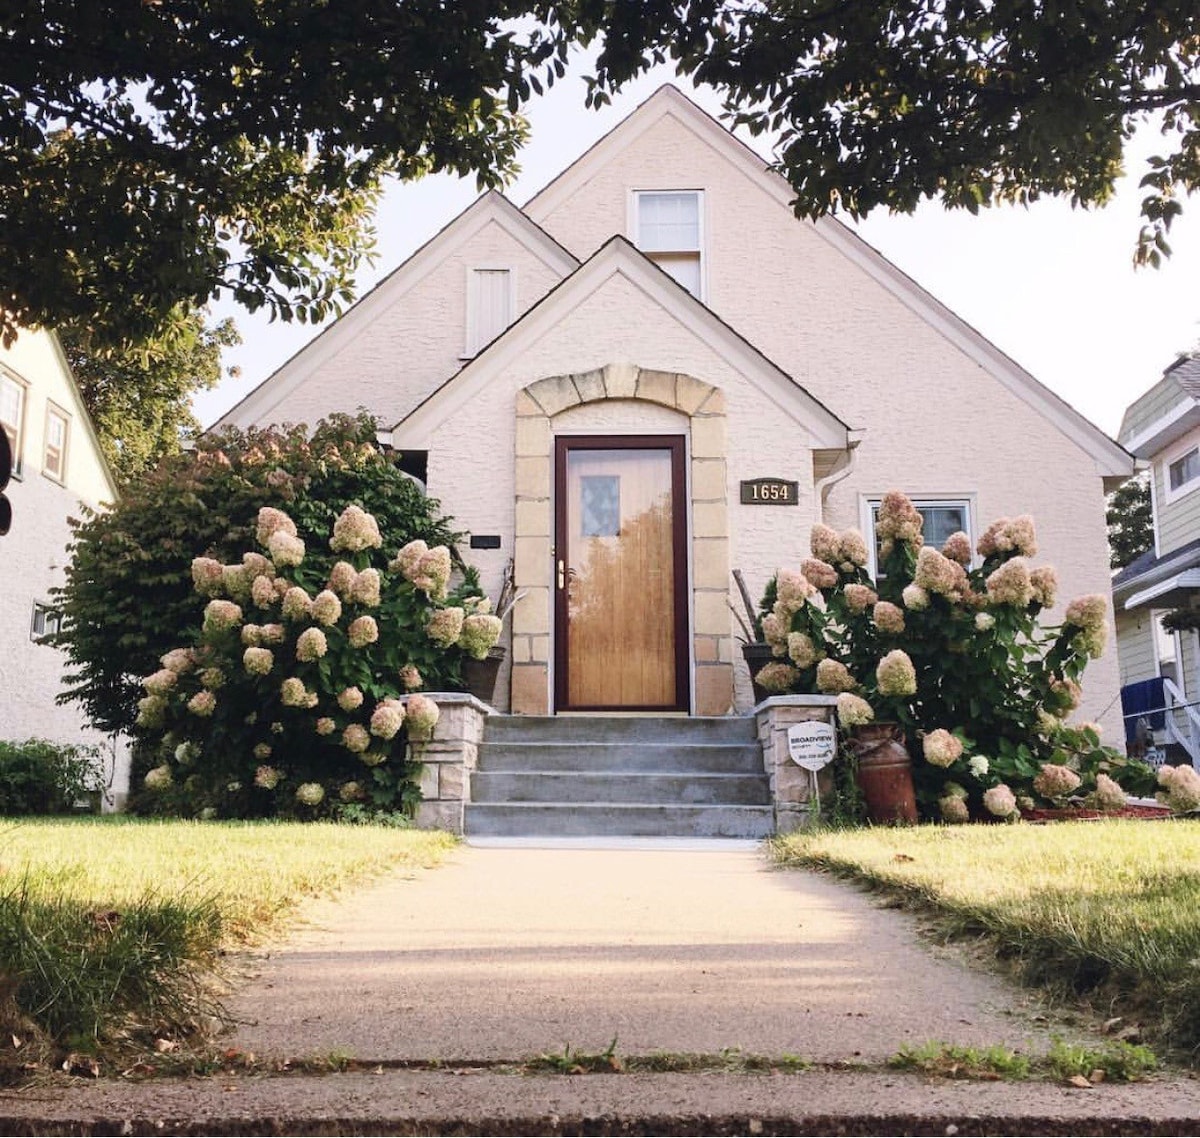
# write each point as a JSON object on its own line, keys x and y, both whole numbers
{"x": 1107, "y": 909}
{"x": 110, "y": 929}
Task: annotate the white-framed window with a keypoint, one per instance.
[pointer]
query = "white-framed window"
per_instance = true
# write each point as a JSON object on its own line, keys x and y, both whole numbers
{"x": 12, "y": 415}
{"x": 58, "y": 432}
{"x": 1166, "y": 648}
{"x": 942, "y": 515}
{"x": 668, "y": 226}
{"x": 490, "y": 306}
{"x": 1181, "y": 470}
{"x": 46, "y": 621}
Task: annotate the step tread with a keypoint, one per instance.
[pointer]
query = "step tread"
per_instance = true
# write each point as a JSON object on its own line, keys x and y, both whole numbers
{"x": 548, "y": 819}
{"x": 690, "y": 807}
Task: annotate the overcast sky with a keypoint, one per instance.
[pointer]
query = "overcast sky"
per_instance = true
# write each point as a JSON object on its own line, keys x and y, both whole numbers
{"x": 1052, "y": 287}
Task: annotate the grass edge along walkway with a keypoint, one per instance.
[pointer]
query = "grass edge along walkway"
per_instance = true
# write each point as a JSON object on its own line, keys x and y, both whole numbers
{"x": 1108, "y": 910}
{"x": 112, "y": 930}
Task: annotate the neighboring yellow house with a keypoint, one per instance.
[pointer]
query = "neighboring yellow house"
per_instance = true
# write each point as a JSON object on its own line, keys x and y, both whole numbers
{"x": 1159, "y": 668}
{"x": 58, "y": 464}
{"x": 628, "y": 355}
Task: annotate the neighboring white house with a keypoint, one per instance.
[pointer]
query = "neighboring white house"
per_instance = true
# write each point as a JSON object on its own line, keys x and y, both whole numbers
{"x": 629, "y": 351}
{"x": 1159, "y": 667}
{"x": 57, "y": 465}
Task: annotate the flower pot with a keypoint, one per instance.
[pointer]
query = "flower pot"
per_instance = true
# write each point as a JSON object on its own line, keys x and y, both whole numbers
{"x": 885, "y": 774}
{"x": 757, "y": 657}
{"x": 479, "y": 676}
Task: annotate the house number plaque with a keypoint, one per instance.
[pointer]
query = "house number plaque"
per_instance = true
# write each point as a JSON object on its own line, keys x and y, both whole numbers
{"x": 770, "y": 492}
{"x": 811, "y": 745}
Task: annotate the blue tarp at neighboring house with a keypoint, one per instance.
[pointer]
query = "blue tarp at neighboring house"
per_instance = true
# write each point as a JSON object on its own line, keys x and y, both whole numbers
{"x": 1143, "y": 700}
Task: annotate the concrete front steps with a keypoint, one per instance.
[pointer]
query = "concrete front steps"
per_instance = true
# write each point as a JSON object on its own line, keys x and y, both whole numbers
{"x": 619, "y": 776}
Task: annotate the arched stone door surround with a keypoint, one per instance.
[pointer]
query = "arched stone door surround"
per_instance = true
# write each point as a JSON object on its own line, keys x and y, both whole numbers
{"x": 537, "y": 406}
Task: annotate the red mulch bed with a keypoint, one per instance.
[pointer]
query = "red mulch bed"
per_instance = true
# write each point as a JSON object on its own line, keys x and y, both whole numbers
{"x": 1081, "y": 814}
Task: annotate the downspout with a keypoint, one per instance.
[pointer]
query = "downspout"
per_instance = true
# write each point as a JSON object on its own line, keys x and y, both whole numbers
{"x": 843, "y": 470}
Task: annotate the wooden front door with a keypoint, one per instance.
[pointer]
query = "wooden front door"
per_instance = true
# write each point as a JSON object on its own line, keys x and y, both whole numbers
{"x": 621, "y": 574}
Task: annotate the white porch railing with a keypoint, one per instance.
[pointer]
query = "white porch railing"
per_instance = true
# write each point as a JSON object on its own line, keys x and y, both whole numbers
{"x": 1182, "y": 721}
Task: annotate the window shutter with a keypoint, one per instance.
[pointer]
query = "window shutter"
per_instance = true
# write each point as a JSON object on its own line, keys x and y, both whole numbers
{"x": 489, "y": 306}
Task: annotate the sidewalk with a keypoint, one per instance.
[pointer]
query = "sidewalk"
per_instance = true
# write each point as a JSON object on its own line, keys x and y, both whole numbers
{"x": 507, "y": 953}
{"x": 510, "y": 952}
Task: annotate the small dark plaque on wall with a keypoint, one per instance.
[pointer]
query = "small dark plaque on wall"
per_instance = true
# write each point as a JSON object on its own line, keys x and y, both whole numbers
{"x": 770, "y": 492}
{"x": 485, "y": 541}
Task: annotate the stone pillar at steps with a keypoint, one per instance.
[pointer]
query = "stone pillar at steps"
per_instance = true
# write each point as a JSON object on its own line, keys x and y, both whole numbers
{"x": 448, "y": 760}
{"x": 791, "y": 785}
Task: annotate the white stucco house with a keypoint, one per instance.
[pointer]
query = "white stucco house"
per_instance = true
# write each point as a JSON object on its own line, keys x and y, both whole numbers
{"x": 57, "y": 464}
{"x": 1160, "y": 669}
{"x": 628, "y": 353}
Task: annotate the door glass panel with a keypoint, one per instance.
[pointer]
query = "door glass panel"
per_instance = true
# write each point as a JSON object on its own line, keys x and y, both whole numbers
{"x": 620, "y": 579}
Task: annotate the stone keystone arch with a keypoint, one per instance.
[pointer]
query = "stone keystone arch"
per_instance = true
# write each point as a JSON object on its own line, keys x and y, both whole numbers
{"x": 537, "y": 406}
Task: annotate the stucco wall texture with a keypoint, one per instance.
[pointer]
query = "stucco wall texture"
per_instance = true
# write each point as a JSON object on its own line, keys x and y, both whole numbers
{"x": 936, "y": 422}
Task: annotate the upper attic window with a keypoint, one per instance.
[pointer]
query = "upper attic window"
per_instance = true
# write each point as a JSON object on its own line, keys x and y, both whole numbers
{"x": 489, "y": 306}
{"x": 670, "y": 232}
{"x": 58, "y": 427}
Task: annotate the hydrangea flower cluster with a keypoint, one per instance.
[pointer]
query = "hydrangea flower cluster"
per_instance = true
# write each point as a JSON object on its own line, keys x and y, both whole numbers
{"x": 1054, "y": 781}
{"x": 355, "y": 530}
{"x": 833, "y": 676}
{"x": 941, "y": 749}
{"x": 895, "y": 674}
{"x": 1000, "y": 801}
{"x": 853, "y": 710}
{"x": 1180, "y": 788}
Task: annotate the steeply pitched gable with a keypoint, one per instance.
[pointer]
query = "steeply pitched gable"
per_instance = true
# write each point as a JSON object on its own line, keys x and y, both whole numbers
{"x": 668, "y": 103}
{"x": 618, "y": 258}
{"x": 380, "y": 353}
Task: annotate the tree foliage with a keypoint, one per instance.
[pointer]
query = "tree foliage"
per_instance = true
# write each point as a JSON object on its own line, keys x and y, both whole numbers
{"x": 155, "y": 152}
{"x": 972, "y": 102}
{"x": 160, "y": 151}
{"x": 139, "y": 396}
{"x": 1130, "y": 522}
{"x": 129, "y": 596}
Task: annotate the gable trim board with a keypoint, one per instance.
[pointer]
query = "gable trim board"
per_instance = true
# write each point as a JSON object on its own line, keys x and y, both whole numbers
{"x": 261, "y": 404}
{"x": 1113, "y": 462}
{"x": 1165, "y": 430}
{"x": 618, "y": 257}
{"x": 82, "y": 415}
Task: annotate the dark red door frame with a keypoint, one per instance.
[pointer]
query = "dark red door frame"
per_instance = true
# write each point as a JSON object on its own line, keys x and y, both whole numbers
{"x": 675, "y": 444}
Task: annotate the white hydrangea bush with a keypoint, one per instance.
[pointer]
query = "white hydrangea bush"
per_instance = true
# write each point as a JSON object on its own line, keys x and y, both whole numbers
{"x": 954, "y": 645}
{"x": 300, "y": 695}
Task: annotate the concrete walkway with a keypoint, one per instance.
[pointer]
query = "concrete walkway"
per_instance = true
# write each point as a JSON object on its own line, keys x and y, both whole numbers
{"x": 508, "y": 953}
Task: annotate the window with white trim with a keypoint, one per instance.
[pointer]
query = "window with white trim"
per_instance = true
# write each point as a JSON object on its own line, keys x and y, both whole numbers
{"x": 1183, "y": 470}
{"x": 489, "y": 306}
{"x": 669, "y": 229}
{"x": 12, "y": 415}
{"x": 942, "y": 517}
{"x": 46, "y": 621}
{"x": 58, "y": 429}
